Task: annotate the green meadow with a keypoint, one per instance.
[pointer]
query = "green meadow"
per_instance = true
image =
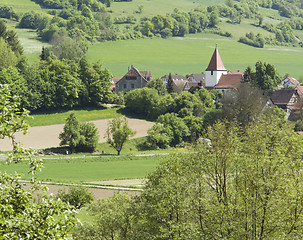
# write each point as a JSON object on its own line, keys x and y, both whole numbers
{"x": 154, "y": 7}
{"x": 81, "y": 169}
{"x": 134, "y": 162}
{"x": 84, "y": 115}
{"x": 182, "y": 55}
{"x": 191, "y": 54}
{"x": 22, "y": 6}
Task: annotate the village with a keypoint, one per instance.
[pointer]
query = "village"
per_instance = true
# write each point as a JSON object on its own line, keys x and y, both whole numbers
{"x": 287, "y": 95}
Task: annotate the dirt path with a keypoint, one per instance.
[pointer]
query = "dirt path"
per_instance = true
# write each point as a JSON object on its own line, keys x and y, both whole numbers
{"x": 47, "y": 136}
{"x": 100, "y": 191}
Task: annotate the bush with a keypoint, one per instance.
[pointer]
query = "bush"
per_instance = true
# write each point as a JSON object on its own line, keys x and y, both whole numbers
{"x": 89, "y": 137}
{"x": 82, "y": 137}
{"x": 76, "y": 196}
{"x": 299, "y": 126}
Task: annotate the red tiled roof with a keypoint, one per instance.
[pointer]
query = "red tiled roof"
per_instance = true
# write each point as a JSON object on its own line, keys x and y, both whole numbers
{"x": 134, "y": 72}
{"x": 291, "y": 80}
{"x": 216, "y": 62}
{"x": 115, "y": 79}
{"x": 229, "y": 81}
{"x": 299, "y": 90}
{"x": 282, "y": 97}
{"x": 146, "y": 74}
{"x": 236, "y": 72}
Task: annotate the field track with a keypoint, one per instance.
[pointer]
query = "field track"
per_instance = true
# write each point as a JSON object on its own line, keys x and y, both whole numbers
{"x": 47, "y": 136}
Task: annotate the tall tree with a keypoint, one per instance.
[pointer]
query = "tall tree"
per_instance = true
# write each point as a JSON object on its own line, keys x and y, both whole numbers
{"x": 169, "y": 85}
{"x": 266, "y": 76}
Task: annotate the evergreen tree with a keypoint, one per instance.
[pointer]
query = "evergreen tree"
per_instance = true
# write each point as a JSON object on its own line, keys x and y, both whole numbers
{"x": 43, "y": 54}
{"x": 169, "y": 86}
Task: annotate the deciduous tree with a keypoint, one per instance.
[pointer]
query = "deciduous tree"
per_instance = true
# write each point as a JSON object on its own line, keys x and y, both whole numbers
{"x": 118, "y": 133}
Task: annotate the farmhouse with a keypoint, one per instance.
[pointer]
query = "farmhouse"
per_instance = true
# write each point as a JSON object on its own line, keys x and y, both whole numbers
{"x": 133, "y": 79}
{"x": 285, "y": 99}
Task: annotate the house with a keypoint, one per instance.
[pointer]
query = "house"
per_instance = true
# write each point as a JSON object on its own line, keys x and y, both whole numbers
{"x": 290, "y": 81}
{"x": 114, "y": 81}
{"x": 195, "y": 80}
{"x": 285, "y": 99}
{"x": 190, "y": 84}
{"x": 179, "y": 85}
{"x": 133, "y": 79}
{"x": 196, "y": 77}
{"x": 176, "y": 77}
{"x": 228, "y": 83}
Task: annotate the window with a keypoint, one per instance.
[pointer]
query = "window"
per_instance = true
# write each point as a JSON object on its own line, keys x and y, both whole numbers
{"x": 124, "y": 86}
{"x": 212, "y": 73}
{"x": 133, "y": 85}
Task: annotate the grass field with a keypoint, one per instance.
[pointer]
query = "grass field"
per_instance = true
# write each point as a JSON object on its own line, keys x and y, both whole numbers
{"x": 90, "y": 114}
{"x": 22, "y": 6}
{"x": 134, "y": 162}
{"x": 89, "y": 168}
{"x": 155, "y": 7}
{"x": 191, "y": 54}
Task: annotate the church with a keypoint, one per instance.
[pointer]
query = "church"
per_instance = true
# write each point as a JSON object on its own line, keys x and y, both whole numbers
{"x": 217, "y": 76}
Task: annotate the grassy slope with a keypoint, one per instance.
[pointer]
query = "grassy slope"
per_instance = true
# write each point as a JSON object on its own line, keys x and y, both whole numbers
{"x": 178, "y": 55}
{"x": 21, "y": 6}
{"x": 154, "y": 7}
{"x": 191, "y": 54}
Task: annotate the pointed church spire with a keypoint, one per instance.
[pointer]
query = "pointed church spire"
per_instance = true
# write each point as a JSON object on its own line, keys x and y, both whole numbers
{"x": 216, "y": 63}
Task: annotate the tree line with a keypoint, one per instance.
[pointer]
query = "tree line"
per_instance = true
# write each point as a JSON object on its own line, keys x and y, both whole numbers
{"x": 51, "y": 83}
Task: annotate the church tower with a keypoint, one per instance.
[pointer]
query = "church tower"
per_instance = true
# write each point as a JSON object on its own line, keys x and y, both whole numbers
{"x": 214, "y": 70}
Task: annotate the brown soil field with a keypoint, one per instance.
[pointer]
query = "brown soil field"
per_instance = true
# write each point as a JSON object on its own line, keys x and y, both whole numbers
{"x": 48, "y": 136}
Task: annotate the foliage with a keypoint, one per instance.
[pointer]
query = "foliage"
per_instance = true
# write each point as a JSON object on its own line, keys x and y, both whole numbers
{"x": 158, "y": 85}
{"x": 65, "y": 47}
{"x": 76, "y": 196}
{"x": 175, "y": 126}
{"x": 159, "y": 136}
{"x": 170, "y": 84}
{"x": 10, "y": 37}
{"x": 298, "y": 125}
{"x": 22, "y": 216}
{"x": 142, "y": 101}
{"x": 57, "y": 84}
{"x": 118, "y": 133}
{"x": 8, "y": 12}
{"x": 33, "y": 20}
{"x": 245, "y": 183}
{"x": 81, "y": 137}
{"x": 265, "y": 77}
{"x": 111, "y": 219}
{"x": 245, "y": 106}
{"x": 7, "y": 56}
{"x": 253, "y": 40}
{"x": 97, "y": 83}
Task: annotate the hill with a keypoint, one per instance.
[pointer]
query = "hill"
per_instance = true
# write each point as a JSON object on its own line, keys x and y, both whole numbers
{"x": 182, "y": 55}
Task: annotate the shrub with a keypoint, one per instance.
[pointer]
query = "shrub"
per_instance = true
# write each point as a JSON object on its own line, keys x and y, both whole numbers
{"x": 82, "y": 137}
{"x": 298, "y": 126}
{"x": 76, "y": 196}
